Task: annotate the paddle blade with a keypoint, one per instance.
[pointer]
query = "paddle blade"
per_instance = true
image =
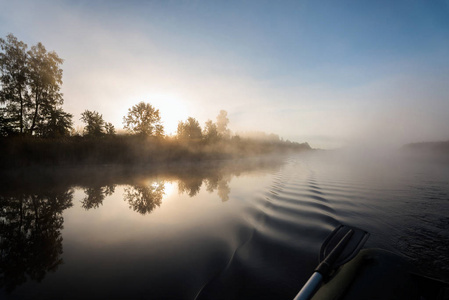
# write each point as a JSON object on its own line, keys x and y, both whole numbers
{"x": 352, "y": 247}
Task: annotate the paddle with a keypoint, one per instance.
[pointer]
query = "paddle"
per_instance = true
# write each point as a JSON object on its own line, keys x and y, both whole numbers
{"x": 340, "y": 247}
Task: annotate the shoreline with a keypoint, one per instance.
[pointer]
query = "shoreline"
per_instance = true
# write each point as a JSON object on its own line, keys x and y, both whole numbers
{"x": 130, "y": 151}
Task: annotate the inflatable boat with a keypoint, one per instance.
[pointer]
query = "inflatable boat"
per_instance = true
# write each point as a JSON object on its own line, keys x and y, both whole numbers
{"x": 379, "y": 274}
{"x": 346, "y": 272}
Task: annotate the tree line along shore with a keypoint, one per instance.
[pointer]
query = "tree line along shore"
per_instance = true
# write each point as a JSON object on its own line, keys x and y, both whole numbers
{"x": 35, "y": 129}
{"x": 130, "y": 149}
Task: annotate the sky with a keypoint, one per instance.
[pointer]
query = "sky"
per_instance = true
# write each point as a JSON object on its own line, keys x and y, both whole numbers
{"x": 328, "y": 72}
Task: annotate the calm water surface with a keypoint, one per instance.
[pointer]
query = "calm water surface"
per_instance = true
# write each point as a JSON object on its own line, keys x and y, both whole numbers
{"x": 235, "y": 230}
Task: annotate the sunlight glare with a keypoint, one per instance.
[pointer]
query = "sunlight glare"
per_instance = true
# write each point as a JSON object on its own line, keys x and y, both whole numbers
{"x": 169, "y": 190}
{"x": 172, "y": 109}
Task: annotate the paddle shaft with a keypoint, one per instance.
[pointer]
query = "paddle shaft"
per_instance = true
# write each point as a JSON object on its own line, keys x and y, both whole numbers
{"x": 310, "y": 287}
{"x": 323, "y": 268}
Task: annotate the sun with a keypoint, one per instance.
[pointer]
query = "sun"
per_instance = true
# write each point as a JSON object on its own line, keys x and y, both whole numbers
{"x": 171, "y": 107}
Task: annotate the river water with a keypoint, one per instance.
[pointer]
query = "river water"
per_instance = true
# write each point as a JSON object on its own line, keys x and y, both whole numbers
{"x": 225, "y": 230}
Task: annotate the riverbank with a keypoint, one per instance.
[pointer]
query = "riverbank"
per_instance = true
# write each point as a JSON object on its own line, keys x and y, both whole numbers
{"x": 130, "y": 150}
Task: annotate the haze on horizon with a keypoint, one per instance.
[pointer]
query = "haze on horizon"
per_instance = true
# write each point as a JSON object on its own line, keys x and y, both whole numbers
{"x": 331, "y": 73}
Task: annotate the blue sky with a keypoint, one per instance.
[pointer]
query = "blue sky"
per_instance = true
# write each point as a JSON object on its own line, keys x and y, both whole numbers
{"x": 332, "y": 73}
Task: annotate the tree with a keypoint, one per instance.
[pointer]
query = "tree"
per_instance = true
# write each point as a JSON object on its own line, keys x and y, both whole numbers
{"x": 55, "y": 123}
{"x": 189, "y": 130}
{"x": 94, "y": 123}
{"x": 109, "y": 129}
{"x": 210, "y": 133}
{"x": 222, "y": 124}
{"x": 143, "y": 119}
{"x": 30, "y": 87}
{"x": 45, "y": 79}
{"x": 14, "y": 95}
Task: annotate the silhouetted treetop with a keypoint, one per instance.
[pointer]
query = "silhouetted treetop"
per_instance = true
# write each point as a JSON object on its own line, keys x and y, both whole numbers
{"x": 144, "y": 119}
{"x": 14, "y": 93}
{"x": 189, "y": 130}
{"x": 94, "y": 123}
{"x": 109, "y": 129}
{"x": 55, "y": 123}
{"x": 30, "y": 90}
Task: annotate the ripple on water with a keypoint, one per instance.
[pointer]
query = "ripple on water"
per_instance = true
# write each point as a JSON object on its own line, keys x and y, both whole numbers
{"x": 306, "y": 201}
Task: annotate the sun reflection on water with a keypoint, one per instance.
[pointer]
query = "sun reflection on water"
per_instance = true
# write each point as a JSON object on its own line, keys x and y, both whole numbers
{"x": 169, "y": 190}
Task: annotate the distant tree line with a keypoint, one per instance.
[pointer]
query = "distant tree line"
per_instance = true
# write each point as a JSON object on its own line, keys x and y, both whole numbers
{"x": 31, "y": 106}
{"x": 191, "y": 131}
{"x": 31, "y": 102}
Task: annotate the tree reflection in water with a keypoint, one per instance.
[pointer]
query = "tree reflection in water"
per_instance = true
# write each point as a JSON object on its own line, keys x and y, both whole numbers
{"x": 215, "y": 182}
{"x": 145, "y": 198}
{"x": 95, "y": 195}
{"x": 30, "y": 231}
{"x": 32, "y": 203}
{"x": 223, "y": 189}
{"x": 190, "y": 186}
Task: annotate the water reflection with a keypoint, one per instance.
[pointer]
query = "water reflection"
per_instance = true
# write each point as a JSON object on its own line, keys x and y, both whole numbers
{"x": 144, "y": 198}
{"x": 32, "y": 205}
{"x": 95, "y": 195}
{"x": 220, "y": 183}
{"x": 189, "y": 186}
{"x": 128, "y": 230}
{"x": 30, "y": 231}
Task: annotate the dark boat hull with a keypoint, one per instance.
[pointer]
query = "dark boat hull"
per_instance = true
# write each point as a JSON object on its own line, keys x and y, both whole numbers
{"x": 379, "y": 274}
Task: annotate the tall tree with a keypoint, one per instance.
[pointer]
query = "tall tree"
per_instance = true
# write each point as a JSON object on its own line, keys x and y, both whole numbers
{"x": 189, "y": 130}
{"x": 143, "y": 119}
{"x": 94, "y": 123}
{"x": 14, "y": 96}
{"x": 30, "y": 88}
{"x": 45, "y": 79}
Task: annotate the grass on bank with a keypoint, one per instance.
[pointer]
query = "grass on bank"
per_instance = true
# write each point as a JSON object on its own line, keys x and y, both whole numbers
{"x": 130, "y": 149}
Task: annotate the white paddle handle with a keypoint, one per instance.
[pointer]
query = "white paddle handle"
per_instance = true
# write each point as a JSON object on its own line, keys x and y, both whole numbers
{"x": 310, "y": 287}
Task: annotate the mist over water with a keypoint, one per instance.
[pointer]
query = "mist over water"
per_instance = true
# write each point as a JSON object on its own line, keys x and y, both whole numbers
{"x": 117, "y": 181}
{"x": 239, "y": 230}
